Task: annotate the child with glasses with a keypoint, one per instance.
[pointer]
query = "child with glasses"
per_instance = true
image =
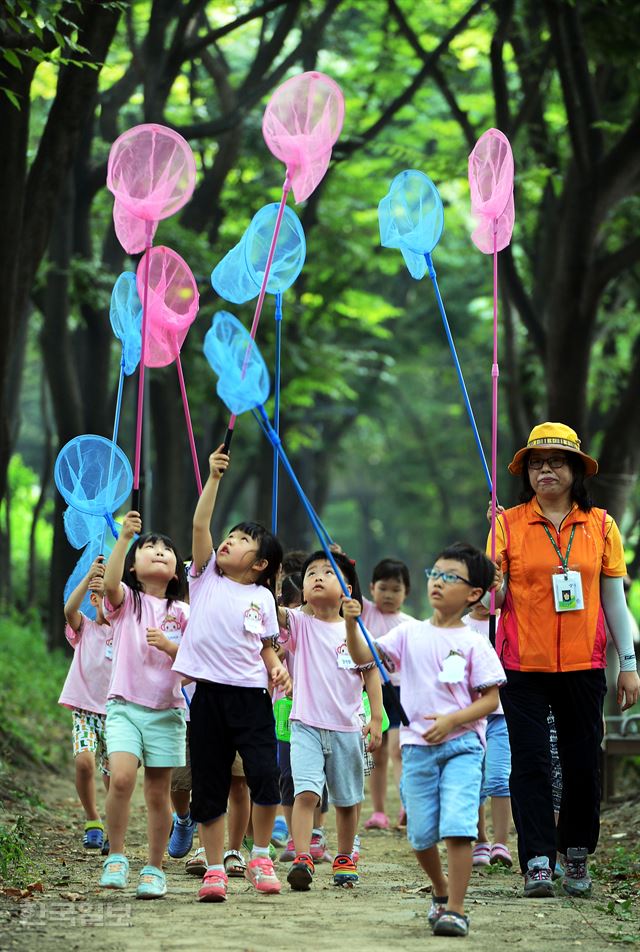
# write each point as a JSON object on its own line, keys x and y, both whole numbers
{"x": 450, "y": 680}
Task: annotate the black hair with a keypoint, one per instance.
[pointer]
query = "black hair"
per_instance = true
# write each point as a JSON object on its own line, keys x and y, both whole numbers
{"x": 291, "y": 590}
{"x": 177, "y": 586}
{"x": 293, "y": 561}
{"x": 345, "y": 564}
{"x": 269, "y": 548}
{"x": 480, "y": 568}
{"x": 579, "y": 492}
{"x": 392, "y": 569}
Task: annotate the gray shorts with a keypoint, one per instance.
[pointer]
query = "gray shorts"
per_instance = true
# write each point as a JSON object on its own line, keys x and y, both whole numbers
{"x": 332, "y": 757}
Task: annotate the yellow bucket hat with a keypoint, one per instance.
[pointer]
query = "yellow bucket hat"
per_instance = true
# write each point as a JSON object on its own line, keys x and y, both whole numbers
{"x": 551, "y": 436}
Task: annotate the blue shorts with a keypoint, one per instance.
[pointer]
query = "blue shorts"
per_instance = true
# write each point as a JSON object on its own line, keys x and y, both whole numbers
{"x": 440, "y": 788}
{"x": 156, "y": 738}
{"x": 332, "y": 757}
{"x": 497, "y": 761}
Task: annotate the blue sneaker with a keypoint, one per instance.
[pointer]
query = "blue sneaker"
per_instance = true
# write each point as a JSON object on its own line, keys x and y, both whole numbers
{"x": 152, "y": 884}
{"x": 93, "y": 838}
{"x": 181, "y": 839}
{"x": 115, "y": 872}
{"x": 280, "y": 833}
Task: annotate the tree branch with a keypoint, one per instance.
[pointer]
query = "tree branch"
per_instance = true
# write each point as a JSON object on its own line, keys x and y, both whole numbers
{"x": 607, "y": 268}
{"x": 498, "y": 75}
{"x": 193, "y": 49}
{"x": 616, "y": 175}
{"x": 522, "y": 302}
{"x": 350, "y": 146}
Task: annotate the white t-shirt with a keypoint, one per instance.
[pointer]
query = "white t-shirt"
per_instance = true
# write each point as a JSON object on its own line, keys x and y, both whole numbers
{"x": 442, "y": 670}
{"x": 228, "y": 626}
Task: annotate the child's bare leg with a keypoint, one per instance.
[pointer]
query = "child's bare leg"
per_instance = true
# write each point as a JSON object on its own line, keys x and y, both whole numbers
{"x": 124, "y": 769}
{"x": 302, "y": 815}
{"x": 482, "y": 827}
{"x": 430, "y": 861}
{"x": 501, "y": 817}
{"x": 86, "y": 784}
{"x": 288, "y": 815}
{"x": 157, "y": 787}
{"x": 239, "y": 812}
{"x": 211, "y": 836}
{"x": 105, "y": 780}
{"x": 180, "y": 800}
{"x": 263, "y": 819}
{"x": 459, "y": 862}
{"x": 395, "y": 753}
{"x": 378, "y": 778}
{"x": 346, "y": 826}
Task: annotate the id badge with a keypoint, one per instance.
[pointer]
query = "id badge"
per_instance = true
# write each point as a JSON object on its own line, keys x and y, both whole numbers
{"x": 344, "y": 660}
{"x": 567, "y": 591}
{"x": 108, "y": 650}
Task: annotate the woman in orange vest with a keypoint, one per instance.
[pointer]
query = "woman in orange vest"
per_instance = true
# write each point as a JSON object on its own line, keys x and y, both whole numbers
{"x": 563, "y": 565}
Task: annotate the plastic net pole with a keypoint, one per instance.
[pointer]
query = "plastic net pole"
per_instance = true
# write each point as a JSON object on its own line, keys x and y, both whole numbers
{"x": 187, "y": 416}
{"x": 143, "y": 338}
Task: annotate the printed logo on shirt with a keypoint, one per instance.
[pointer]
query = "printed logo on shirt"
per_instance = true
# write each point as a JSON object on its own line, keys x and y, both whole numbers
{"x": 171, "y": 627}
{"x": 108, "y": 649}
{"x": 452, "y": 668}
{"x": 345, "y": 660}
{"x": 254, "y": 620}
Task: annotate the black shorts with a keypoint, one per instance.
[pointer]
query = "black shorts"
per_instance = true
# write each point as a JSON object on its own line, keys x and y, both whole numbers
{"x": 226, "y": 720}
{"x": 389, "y": 692}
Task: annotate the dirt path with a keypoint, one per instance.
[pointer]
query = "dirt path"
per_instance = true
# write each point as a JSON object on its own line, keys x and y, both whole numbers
{"x": 386, "y": 911}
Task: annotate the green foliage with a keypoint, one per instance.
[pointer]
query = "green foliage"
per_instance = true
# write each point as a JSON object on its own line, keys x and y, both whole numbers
{"x": 23, "y": 493}
{"x": 32, "y": 724}
{"x": 15, "y": 866}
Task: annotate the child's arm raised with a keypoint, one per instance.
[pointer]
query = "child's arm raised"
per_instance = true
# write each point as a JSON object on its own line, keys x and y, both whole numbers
{"x": 356, "y": 645}
{"x": 444, "y": 724}
{"x": 202, "y": 541}
{"x": 113, "y": 589}
{"x": 72, "y": 611}
{"x": 373, "y": 688}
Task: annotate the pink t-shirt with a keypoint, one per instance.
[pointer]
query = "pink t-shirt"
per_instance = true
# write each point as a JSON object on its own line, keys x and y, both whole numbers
{"x": 481, "y": 627}
{"x": 88, "y": 679}
{"x": 141, "y": 673}
{"x": 228, "y": 626}
{"x": 379, "y": 623}
{"x": 441, "y": 670}
{"x": 327, "y": 686}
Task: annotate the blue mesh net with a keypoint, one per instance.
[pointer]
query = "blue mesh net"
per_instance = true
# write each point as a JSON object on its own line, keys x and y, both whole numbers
{"x": 93, "y": 475}
{"x": 243, "y": 379}
{"x": 411, "y": 218}
{"x": 126, "y": 319}
{"x": 238, "y": 277}
{"x": 81, "y": 528}
{"x": 291, "y": 248}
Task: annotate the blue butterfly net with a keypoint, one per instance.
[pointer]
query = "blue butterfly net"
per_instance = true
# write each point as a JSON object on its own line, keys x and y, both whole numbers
{"x": 93, "y": 475}
{"x": 126, "y": 319}
{"x": 243, "y": 378}
{"x": 82, "y": 566}
{"x": 238, "y": 277}
{"x": 81, "y": 528}
{"x": 411, "y": 218}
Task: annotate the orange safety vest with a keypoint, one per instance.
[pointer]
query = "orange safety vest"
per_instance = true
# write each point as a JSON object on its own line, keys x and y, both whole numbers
{"x": 532, "y": 635}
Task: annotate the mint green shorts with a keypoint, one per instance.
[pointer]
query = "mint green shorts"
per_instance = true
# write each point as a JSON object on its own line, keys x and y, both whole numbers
{"x": 156, "y": 738}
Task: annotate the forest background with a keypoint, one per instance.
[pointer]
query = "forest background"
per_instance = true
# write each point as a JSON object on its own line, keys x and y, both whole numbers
{"x": 372, "y": 416}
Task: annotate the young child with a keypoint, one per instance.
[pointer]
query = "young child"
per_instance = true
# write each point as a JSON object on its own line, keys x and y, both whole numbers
{"x": 390, "y": 585}
{"x": 497, "y": 768}
{"x": 229, "y": 652}
{"x": 145, "y": 710}
{"x": 450, "y": 681}
{"x": 326, "y": 731}
{"x": 85, "y": 692}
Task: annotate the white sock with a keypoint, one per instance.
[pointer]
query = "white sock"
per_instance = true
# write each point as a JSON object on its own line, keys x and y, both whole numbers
{"x": 184, "y": 820}
{"x": 259, "y": 851}
{"x": 215, "y": 868}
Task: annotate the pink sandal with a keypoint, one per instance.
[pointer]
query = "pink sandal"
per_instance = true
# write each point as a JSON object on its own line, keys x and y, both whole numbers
{"x": 500, "y": 855}
{"x": 482, "y": 854}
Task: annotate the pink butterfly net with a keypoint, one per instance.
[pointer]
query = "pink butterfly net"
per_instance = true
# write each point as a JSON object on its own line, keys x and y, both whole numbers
{"x": 301, "y": 123}
{"x": 151, "y": 171}
{"x": 491, "y": 182}
{"x": 172, "y": 304}
{"x": 131, "y": 232}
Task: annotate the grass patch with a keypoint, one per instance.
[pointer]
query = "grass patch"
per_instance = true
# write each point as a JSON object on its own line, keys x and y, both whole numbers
{"x": 33, "y": 726}
{"x": 15, "y": 867}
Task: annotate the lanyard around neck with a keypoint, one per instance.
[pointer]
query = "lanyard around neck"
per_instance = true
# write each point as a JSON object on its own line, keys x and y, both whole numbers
{"x": 563, "y": 558}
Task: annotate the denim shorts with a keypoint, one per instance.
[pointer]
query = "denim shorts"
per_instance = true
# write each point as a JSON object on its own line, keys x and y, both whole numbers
{"x": 440, "y": 788}
{"x": 497, "y": 760}
{"x": 156, "y": 738}
{"x": 332, "y": 757}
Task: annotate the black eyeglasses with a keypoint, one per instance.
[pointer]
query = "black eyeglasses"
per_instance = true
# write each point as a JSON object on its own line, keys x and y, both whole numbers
{"x": 447, "y": 577}
{"x": 555, "y": 462}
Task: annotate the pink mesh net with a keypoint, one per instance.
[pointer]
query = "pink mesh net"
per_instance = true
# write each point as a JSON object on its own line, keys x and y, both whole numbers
{"x": 151, "y": 171}
{"x": 301, "y": 123}
{"x": 491, "y": 184}
{"x": 131, "y": 231}
{"x": 172, "y": 304}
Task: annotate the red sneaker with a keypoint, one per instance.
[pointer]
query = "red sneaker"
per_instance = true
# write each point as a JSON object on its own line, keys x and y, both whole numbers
{"x": 261, "y": 874}
{"x": 214, "y": 886}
